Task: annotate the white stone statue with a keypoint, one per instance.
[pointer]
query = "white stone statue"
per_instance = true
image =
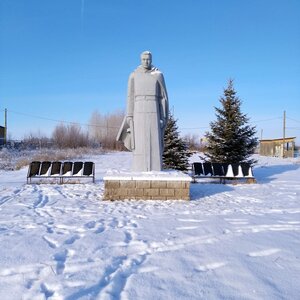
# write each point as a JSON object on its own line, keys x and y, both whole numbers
{"x": 143, "y": 127}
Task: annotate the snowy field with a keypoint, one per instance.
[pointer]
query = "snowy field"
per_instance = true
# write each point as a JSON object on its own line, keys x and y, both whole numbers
{"x": 230, "y": 241}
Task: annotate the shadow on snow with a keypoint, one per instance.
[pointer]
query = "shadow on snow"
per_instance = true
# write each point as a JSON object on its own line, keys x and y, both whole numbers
{"x": 200, "y": 190}
{"x": 267, "y": 174}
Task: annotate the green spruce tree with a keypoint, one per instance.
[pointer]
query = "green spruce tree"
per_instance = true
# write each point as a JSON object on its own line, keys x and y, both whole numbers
{"x": 231, "y": 139}
{"x": 176, "y": 153}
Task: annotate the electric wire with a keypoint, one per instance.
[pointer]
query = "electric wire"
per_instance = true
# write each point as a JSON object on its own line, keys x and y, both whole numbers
{"x": 62, "y": 121}
{"x": 266, "y": 120}
{"x": 293, "y": 119}
{"x": 108, "y": 126}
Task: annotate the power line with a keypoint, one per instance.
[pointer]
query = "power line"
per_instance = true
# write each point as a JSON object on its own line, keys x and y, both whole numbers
{"x": 61, "y": 121}
{"x": 106, "y": 126}
{"x": 85, "y": 124}
{"x": 194, "y": 128}
{"x": 293, "y": 120}
{"x": 296, "y": 128}
{"x": 39, "y": 117}
{"x": 204, "y": 127}
{"x": 266, "y": 120}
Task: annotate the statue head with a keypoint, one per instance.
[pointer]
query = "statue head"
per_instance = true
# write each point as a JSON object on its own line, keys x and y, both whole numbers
{"x": 146, "y": 59}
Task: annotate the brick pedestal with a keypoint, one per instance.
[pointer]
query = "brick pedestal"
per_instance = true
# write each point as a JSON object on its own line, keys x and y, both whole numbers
{"x": 161, "y": 186}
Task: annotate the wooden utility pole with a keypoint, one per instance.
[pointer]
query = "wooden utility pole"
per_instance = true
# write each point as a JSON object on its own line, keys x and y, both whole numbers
{"x": 283, "y": 136}
{"x": 5, "y": 126}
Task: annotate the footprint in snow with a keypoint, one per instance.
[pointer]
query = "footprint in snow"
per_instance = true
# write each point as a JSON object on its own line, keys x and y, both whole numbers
{"x": 49, "y": 229}
{"x": 3, "y": 229}
{"x": 90, "y": 225}
{"x": 30, "y": 283}
{"x": 128, "y": 237}
{"x": 60, "y": 259}
{"x": 133, "y": 224}
{"x": 72, "y": 239}
{"x": 100, "y": 229}
{"x": 46, "y": 291}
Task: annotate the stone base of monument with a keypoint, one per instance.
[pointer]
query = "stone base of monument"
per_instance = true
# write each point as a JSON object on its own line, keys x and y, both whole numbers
{"x": 165, "y": 185}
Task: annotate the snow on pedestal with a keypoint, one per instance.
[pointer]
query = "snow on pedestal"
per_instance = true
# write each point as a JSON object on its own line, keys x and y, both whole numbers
{"x": 164, "y": 185}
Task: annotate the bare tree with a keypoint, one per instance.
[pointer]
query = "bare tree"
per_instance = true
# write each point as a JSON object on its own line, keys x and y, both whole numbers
{"x": 35, "y": 141}
{"x": 97, "y": 126}
{"x": 70, "y": 136}
{"x": 59, "y": 135}
{"x": 193, "y": 142}
{"x": 104, "y": 128}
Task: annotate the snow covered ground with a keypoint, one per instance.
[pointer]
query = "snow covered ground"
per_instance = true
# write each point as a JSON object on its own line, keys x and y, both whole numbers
{"x": 229, "y": 242}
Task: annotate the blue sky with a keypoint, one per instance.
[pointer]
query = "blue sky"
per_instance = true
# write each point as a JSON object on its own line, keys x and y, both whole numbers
{"x": 65, "y": 59}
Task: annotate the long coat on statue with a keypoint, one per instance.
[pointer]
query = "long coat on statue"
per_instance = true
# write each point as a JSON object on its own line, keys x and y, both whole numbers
{"x": 142, "y": 130}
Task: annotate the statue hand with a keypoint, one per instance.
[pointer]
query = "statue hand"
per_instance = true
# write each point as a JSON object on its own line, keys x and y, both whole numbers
{"x": 129, "y": 121}
{"x": 130, "y": 130}
{"x": 162, "y": 124}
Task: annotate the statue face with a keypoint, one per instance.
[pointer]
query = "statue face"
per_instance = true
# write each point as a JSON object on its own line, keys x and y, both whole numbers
{"x": 146, "y": 61}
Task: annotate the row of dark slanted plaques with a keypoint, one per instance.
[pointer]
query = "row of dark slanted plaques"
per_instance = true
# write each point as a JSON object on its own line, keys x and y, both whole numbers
{"x": 38, "y": 169}
{"x": 236, "y": 170}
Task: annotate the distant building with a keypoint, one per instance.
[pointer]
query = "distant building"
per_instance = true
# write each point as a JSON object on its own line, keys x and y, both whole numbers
{"x": 278, "y": 147}
{"x": 2, "y": 133}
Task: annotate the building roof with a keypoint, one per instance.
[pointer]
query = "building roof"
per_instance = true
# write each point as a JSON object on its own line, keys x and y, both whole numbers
{"x": 287, "y": 139}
